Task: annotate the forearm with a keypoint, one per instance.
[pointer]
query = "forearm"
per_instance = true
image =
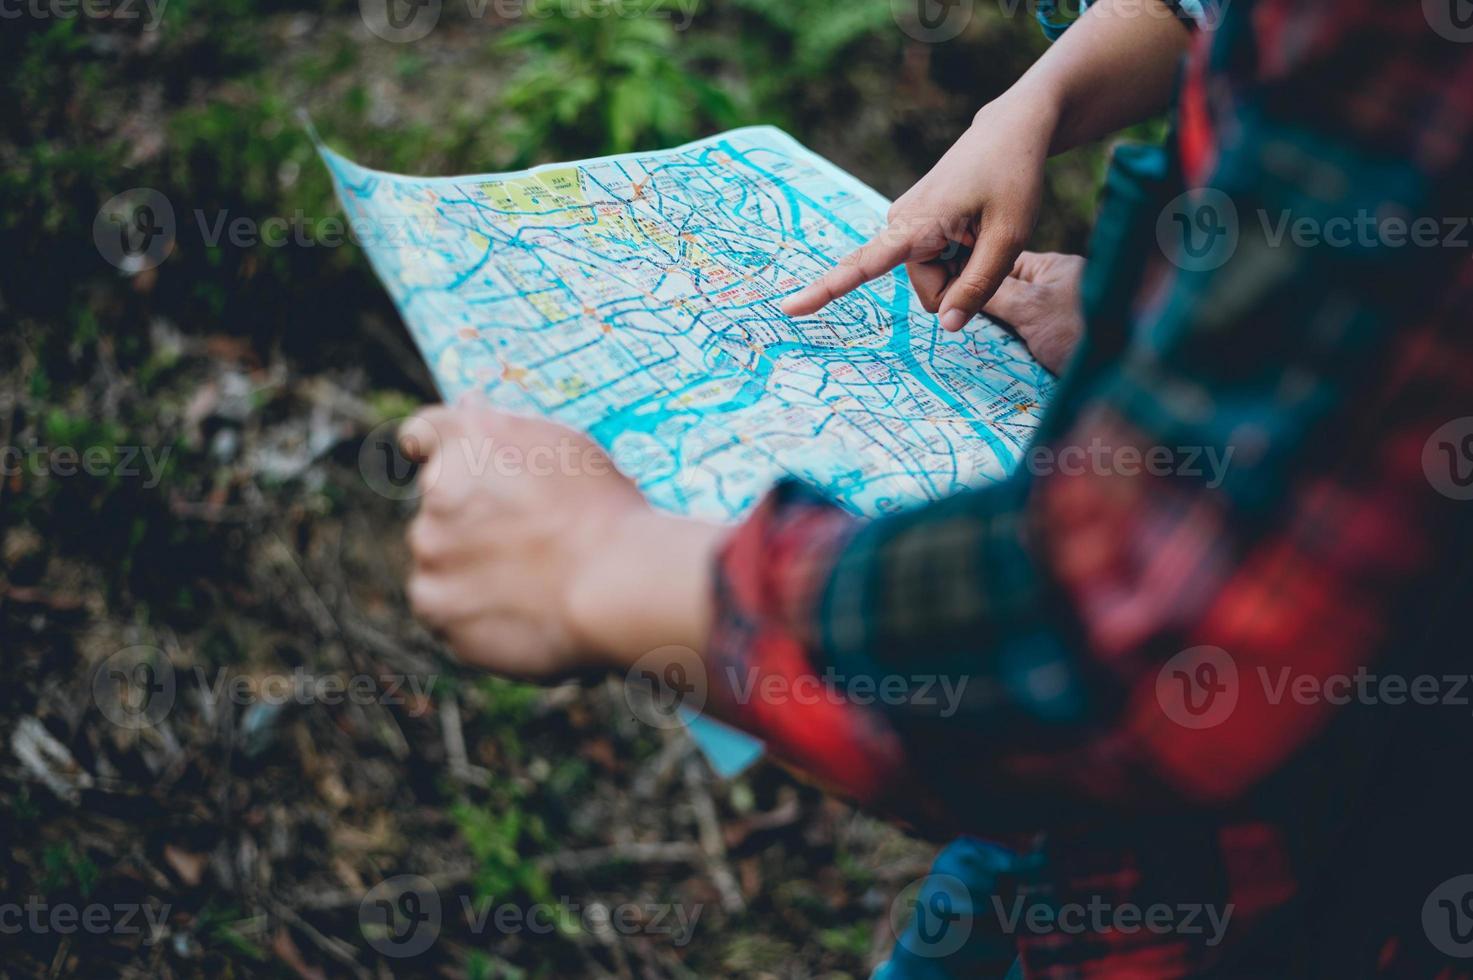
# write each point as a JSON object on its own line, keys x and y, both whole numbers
{"x": 1115, "y": 67}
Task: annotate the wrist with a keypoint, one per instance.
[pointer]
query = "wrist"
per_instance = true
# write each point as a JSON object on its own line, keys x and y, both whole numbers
{"x": 1027, "y": 116}
{"x": 644, "y": 583}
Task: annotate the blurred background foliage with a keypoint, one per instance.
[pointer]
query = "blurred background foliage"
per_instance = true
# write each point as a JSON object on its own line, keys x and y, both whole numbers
{"x": 252, "y": 371}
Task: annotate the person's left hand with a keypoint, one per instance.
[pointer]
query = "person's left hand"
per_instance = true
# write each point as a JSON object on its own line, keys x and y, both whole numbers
{"x": 534, "y": 557}
{"x": 1041, "y": 300}
{"x": 509, "y": 510}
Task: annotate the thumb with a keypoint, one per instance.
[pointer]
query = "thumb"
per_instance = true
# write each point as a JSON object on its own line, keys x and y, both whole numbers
{"x": 996, "y": 252}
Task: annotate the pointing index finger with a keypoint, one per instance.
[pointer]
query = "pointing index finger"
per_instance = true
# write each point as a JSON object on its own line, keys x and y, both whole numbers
{"x": 886, "y": 251}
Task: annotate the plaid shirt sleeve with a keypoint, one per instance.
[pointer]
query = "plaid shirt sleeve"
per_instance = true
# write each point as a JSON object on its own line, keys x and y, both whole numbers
{"x": 1193, "y": 13}
{"x": 1090, "y": 634}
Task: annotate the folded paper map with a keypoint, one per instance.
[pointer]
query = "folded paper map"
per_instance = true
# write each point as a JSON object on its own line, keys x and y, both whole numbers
{"x": 635, "y": 298}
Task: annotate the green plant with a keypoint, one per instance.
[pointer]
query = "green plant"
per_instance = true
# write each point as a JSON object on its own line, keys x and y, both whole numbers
{"x": 480, "y": 966}
{"x": 498, "y": 840}
{"x": 817, "y": 33}
{"x": 793, "y": 57}
{"x": 852, "y": 940}
{"x": 607, "y": 85}
{"x": 66, "y": 867}
{"x": 220, "y": 924}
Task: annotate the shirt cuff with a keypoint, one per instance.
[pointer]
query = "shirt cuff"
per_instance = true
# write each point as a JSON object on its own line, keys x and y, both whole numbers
{"x": 1193, "y": 13}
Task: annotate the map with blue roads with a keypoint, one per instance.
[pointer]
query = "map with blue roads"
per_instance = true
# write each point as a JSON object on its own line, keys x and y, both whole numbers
{"x": 636, "y": 298}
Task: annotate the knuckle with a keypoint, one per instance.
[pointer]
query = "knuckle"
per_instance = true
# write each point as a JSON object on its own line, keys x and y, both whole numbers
{"x": 423, "y": 598}
{"x": 445, "y": 499}
{"x": 472, "y": 424}
{"x": 419, "y": 435}
{"x": 474, "y": 444}
{"x": 420, "y": 540}
{"x": 968, "y": 300}
{"x": 1013, "y": 237}
{"x": 956, "y": 226}
{"x": 432, "y": 501}
{"x": 904, "y": 205}
{"x": 974, "y": 290}
{"x": 933, "y": 238}
{"x": 901, "y": 230}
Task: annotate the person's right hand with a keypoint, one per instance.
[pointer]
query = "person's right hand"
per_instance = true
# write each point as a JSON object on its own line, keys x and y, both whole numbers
{"x": 984, "y": 194}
